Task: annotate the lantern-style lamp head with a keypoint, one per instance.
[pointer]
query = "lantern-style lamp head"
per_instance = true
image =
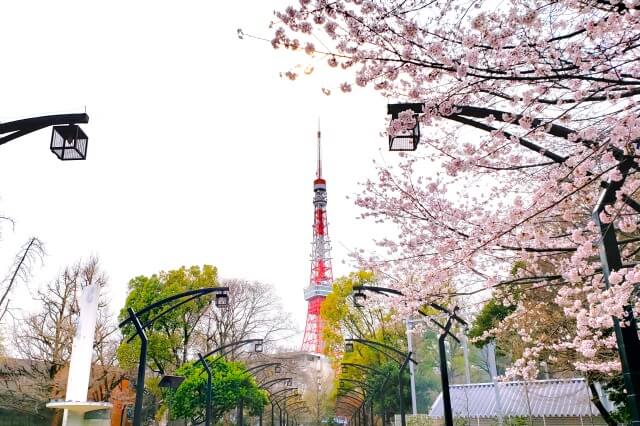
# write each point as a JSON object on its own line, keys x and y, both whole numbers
{"x": 289, "y": 382}
{"x": 69, "y": 142}
{"x": 408, "y": 139}
{"x": 358, "y": 299}
{"x": 172, "y": 382}
{"x": 348, "y": 347}
{"x": 222, "y": 300}
{"x": 258, "y": 347}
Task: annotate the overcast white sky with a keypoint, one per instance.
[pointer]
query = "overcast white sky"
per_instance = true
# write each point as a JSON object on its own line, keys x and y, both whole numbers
{"x": 198, "y": 153}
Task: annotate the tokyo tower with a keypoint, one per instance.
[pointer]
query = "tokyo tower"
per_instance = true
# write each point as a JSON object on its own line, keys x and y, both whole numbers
{"x": 321, "y": 273}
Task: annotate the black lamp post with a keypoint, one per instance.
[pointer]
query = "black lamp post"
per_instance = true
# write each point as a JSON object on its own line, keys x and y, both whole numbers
{"x": 68, "y": 141}
{"x": 285, "y": 407}
{"x": 283, "y": 398}
{"x": 627, "y": 339}
{"x": 274, "y": 402}
{"x": 353, "y": 403}
{"x": 294, "y": 408}
{"x": 203, "y": 360}
{"x": 368, "y": 369}
{"x": 406, "y": 357}
{"x": 367, "y": 394}
{"x": 444, "y": 373}
{"x": 134, "y": 318}
{"x": 359, "y": 403}
{"x": 348, "y": 407}
{"x": 444, "y": 376}
{"x": 256, "y": 369}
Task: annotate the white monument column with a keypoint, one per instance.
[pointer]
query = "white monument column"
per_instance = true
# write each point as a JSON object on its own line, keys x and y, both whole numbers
{"x": 75, "y": 403}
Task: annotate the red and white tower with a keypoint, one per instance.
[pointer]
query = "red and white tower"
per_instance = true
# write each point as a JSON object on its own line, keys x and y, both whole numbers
{"x": 321, "y": 273}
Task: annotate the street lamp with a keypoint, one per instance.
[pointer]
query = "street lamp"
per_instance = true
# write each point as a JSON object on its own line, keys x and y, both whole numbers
{"x": 257, "y": 368}
{"x": 203, "y": 360}
{"x": 359, "y": 298}
{"x": 222, "y": 300}
{"x": 408, "y": 139}
{"x": 407, "y": 357}
{"x": 269, "y": 383}
{"x": 348, "y": 347}
{"x": 368, "y": 369}
{"x": 68, "y": 140}
{"x": 135, "y": 319}
{"x": 444, "y": 373}
{"x": 627, "y": 339}
{"x": 367, "y": 393}
{"x": 276, "y": 401}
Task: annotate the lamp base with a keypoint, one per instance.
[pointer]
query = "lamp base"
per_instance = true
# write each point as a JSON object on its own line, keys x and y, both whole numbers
{"x": 74, "y": 412}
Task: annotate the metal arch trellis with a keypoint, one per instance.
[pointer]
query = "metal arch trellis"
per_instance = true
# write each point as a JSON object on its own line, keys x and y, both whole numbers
{"x": 134, "y": 318}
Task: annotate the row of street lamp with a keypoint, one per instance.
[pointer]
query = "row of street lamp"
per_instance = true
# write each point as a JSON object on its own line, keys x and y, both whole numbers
{"x": 159, "y": 309}
{"x": 359, "y": 297}
{"x": 627, "y": 338}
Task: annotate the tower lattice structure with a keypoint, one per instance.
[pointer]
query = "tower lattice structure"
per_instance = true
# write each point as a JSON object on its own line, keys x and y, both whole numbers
{"x": 321, "y": 272}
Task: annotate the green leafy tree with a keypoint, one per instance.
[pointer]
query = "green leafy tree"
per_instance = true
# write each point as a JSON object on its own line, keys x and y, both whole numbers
{"x": 170, "y": 336}
{"x": 489, "y": 317}
{"x": 340, "y": 317}
{"x": 230, "y": 384}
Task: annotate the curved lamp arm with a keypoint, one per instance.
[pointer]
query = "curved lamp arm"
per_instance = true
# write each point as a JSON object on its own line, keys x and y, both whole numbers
{"x": 380, "y": 290}
{"x": 362, "y": 397}
{"x": 348, "y": 404}
{"x": 232, "y": 345}
{"x": 272, "y": 382}
{"x": 353, "y": 390}
{"x": 286, "y": 397}
{"x": 258, "y": 368}
{"x": 28, "y": 125}
{"x": 360, "y": 383}
{"x": 189, "y": 295}
{"x": 363, "y": 367}
{"x": 296, "y": 403}
{"x": 271, "y": 395}
{"x": 378, "y": 345}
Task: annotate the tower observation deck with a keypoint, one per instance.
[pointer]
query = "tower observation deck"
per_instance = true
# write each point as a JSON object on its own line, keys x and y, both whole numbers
{"x": 321, "y": 272}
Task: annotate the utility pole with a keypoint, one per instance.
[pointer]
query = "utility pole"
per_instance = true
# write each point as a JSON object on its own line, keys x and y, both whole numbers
{"x": 412, "y": 372}
{"x": 491, "y": 354}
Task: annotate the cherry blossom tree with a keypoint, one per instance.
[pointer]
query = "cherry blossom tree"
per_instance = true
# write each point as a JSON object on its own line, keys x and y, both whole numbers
{"x": 529, "y": 108}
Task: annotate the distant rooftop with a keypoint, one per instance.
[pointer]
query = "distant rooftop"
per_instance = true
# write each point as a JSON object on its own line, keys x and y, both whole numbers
{"x": 539, "y": 398}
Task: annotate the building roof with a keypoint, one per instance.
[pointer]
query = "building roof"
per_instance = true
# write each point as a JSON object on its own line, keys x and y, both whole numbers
{"x": 548, "y": 398}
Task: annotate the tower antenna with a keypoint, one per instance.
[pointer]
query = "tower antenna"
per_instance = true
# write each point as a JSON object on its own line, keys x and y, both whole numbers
{"x": 319, "y": 172}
